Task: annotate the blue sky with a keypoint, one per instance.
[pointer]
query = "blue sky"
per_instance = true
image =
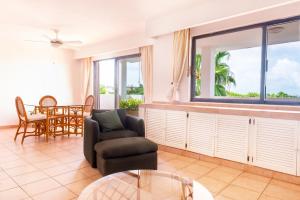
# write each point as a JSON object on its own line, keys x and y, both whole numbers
{"x": 284, "y": 68}
{"x": 283, "y": 74}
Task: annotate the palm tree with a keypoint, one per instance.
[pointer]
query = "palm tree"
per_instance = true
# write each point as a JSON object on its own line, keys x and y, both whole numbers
{"x": 198, "y": 60}
{"x": 223, "y": 76}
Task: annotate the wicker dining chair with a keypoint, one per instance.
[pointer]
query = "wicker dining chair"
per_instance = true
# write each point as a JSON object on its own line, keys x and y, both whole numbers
{"x": 78, "y": 113}
{"x": 38, "y": 120}
{"x": 88, "y": 105}
{"x": 47, "y": 101}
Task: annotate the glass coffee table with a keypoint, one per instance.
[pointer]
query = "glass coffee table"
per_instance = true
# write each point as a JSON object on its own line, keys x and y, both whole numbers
{"x": 144, "y": 185}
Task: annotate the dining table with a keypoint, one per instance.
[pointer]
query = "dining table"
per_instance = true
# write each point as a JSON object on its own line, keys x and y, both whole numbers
{"x": 61, "y": 119}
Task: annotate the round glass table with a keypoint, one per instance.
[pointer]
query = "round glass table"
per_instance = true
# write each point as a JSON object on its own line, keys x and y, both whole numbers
{"x": 144, "y": 185}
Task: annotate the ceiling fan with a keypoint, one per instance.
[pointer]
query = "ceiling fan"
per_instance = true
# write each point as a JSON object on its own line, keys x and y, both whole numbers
{"x": 57, "y": 42}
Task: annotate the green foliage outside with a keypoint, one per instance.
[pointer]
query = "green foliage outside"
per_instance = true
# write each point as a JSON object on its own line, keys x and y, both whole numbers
{"x": 136, "y": 90}
{"x": 103, "y": 90}
{"x": 198, "y": 60}
{"x": 250, "y": 94}
{"x": 280, "y": 95}
{"x": 225, "y": 78}
{"x": 130, "y": 104}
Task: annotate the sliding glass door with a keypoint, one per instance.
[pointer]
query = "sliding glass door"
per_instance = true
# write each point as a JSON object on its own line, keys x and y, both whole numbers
{"x": 107, "y": 84}
{"x": 130, "y": 84}
{"x": 120, "y": 82}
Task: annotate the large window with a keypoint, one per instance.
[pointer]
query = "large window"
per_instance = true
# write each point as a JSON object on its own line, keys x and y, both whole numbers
{"x": 283, "y": 71}
{"x": 254, "y": 64}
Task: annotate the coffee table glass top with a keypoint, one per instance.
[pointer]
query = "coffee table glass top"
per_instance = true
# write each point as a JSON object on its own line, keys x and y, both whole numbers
{"x": 144, "y": 185}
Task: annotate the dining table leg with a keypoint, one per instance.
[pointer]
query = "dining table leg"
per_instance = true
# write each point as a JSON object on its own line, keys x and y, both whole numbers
{"x": 47, "y": 129}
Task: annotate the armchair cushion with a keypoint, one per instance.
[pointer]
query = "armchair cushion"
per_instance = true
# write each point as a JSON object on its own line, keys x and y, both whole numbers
{"x": 124, "y": 147}
{"x": 109, "y": 121}
{"x": 121, "y": 112}
{"x": 117, "y": 134}
{"x": 136, "y": 124}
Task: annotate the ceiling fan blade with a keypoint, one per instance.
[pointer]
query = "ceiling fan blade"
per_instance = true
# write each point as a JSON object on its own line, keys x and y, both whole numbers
{"x": 39, "y": 41}
{"x": 72, "y": 42}
{"x": 47, "y": 37}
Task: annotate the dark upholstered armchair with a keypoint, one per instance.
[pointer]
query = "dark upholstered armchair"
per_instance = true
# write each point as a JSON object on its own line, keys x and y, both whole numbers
{"x": 134, "y": 127}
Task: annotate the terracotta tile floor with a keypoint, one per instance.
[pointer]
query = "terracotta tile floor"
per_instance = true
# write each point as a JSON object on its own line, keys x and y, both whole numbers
{"x": 58, "y": 170}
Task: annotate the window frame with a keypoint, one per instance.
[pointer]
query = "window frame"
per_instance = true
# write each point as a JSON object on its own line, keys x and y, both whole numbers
{"x": 264, "y": 45}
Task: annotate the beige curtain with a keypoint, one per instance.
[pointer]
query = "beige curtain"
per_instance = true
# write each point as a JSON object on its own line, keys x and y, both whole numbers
{"x": 87, "y": 75}
{"x": 181, "y": 43}
{"x": 147, "y": 71}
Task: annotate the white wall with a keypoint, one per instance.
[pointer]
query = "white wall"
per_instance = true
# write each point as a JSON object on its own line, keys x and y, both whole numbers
{"x": 31, "y": 71}
{"x": 162, "y": 70}
{"x": 162, "y": 61}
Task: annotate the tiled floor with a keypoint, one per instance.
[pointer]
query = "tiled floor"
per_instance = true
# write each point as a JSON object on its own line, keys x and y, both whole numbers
{"x": 58, "y": 170}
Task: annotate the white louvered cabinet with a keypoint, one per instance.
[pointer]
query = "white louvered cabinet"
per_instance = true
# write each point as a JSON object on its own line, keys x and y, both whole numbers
{"x": 176, "y": 124}
{"x": 201, "y": 132}
{"x": 264, "y": 142}
{"x": 232, "y": 137}
{"x": 275, "y": 144}
{"x": 155, "y": 125}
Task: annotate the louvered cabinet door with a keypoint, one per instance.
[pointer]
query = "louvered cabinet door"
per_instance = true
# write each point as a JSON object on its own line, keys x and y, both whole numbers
{"x": 232, "y": 138}
{"x": 275, "y": 145}
{"x": 201, "y": 133}
{"x": 176, "y": 129}
{"x": 155, "y": 125}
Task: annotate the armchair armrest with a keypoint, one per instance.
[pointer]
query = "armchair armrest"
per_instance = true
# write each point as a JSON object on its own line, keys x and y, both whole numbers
{"x": 136, "y": 124}
{"x": 91, "y": 137}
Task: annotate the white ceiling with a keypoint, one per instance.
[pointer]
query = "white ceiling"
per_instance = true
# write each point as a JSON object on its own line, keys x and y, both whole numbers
{"x": 90, "y": 21}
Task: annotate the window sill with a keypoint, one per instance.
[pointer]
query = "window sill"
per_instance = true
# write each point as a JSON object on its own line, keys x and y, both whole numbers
{"x": 253, "y": 110}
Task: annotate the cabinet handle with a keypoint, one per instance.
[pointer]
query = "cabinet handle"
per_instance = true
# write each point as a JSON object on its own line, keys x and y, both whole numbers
{"x": 249, "y": 121}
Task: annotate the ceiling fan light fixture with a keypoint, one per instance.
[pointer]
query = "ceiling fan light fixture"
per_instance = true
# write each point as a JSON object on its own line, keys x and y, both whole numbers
{"x": 56, "y": 43}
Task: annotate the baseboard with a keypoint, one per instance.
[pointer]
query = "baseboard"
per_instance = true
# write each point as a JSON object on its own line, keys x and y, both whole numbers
{"x": 8, "y": 126}
{"x": 236, "y": 165}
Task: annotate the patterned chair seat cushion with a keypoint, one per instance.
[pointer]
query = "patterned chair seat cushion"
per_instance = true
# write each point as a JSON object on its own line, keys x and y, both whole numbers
{"x": 36, "y": 117}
